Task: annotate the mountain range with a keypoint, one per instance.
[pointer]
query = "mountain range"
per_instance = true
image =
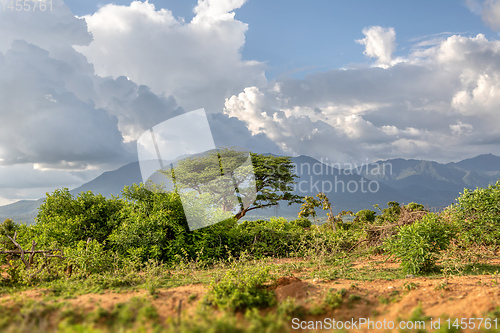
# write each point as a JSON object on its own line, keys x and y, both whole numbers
{"x": 430, "y": 183}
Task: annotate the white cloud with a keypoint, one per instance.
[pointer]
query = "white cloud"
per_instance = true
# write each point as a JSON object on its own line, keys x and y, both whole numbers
{"x": 50, "y": 124}
{"x": 489, "y": 11}
{"x": 441, "y": 104}
{"x": 296, "y": 130}
{"x": 460, "y": 128}
{"x": 63, "y": 125}
{"x": 491, "y": 14}
{"x": 199, "y": 63}
{"x": 51, "y": 30}
{"x": 380, "y": 43}
{"x": 476, "y": 64}
{"x": 216, "y": 9}
{"x": 228, "y": 132}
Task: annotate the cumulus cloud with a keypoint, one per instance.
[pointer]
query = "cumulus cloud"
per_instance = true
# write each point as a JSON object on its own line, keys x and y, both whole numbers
{"x": 199, "y": 62}
{"x": 441, "y": 103}
{"x": 135, "y": 106}
{"x": 491, "y": 14}
{"x": 476, "y": 63}
{"x": 54, "y": 29}
{"x": 489, "y": 11}
{"x": 63, "y": 124}
{"x": 380, "y": 43}
{"x": 70, "y": 116}
{"x": 52, "y": 133}
{"x": 50, "y": 125}
{"x": 292, "y": 129}
{"x": 216, "y": 9}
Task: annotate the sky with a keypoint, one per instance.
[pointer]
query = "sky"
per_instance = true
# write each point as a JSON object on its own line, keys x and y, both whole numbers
{"x": 344, "y": 81}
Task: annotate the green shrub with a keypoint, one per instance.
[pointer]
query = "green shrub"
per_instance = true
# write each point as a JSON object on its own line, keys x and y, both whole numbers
{"x": 276, "y": 237}
{"x": 89, "y": 258}
{"x": 390, "y": 214}
{"x": 214, "y": 242}
{"x": 418, "y": 244}
{"x": 413, "y": 206}
{"x": 365, "y": 216}
{"x": 345, "y": 239}
{"x": 242, "y": 289}
{"x": 7, "y": 228}
{"x": 64, "y": 220}
{"x": 290, "y": 309}
{"x": 333, "y": 298}
{"x": 477, "y": 214}
{"x": 152, "y": 225}
{"x": 301, "y": 222}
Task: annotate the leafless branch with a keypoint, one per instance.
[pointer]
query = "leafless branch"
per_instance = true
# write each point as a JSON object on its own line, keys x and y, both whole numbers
{"x": 46, "y": 254}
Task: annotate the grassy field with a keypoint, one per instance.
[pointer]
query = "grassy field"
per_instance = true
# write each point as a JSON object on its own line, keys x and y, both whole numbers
{"x": 248, "y": 295}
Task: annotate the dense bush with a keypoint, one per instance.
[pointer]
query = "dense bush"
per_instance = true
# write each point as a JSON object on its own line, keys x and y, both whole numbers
{"x": 64, "y": 220}
{"x": 88, "y": 258}
{"x": 392, "y": 213}
{"x": 301, "y": 222}
{"x": 389, "y": 214}
{"x": 152, "y": 225}
{"x": 334, "y": 241}
{"x": 148, "y": 223}
{"x": 417, "y": 245}
{"x": 365, "y": 216}
{"x": 477, "y": 214}
{"x": 7, "y": 228}
{"x": 215, "y": 242}
{"x": 413, "y": 206}
{"x": 277, "y": 237}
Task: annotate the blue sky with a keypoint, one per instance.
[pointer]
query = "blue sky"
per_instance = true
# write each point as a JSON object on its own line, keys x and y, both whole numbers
{"x": 319, "y": 35}
{"x": 347, "y": 81}
{"x": 296, "y": 37}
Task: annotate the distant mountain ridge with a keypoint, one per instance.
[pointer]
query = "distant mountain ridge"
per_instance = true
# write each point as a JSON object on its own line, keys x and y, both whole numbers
{"x": 482, "y": 163}
{"x": 427, "y": 182}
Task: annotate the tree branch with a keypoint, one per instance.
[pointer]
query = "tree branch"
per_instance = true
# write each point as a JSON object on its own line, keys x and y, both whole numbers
{"x": 32, "y": 252}
{"x": 20, "y": 249}
{"x": 30, "y": 261}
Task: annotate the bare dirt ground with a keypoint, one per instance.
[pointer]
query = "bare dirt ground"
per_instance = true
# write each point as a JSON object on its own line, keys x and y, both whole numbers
{"x": 377, "y": 300}
{"x": 457, "y": 297}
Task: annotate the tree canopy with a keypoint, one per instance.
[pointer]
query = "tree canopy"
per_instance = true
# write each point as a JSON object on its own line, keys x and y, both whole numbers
{"x": 237, "y": 181}
{"x": 274, "y": 178}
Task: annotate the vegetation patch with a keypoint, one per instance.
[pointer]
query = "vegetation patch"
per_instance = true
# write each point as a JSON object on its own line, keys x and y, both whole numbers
{"x": 241, "y": 289}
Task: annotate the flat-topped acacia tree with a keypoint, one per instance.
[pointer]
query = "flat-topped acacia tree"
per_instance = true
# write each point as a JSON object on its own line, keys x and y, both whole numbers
{"x": 274, "y": 178}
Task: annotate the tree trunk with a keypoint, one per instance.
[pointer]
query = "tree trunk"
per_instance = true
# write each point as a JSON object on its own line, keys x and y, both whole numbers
{"x": 240, "y": 214}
